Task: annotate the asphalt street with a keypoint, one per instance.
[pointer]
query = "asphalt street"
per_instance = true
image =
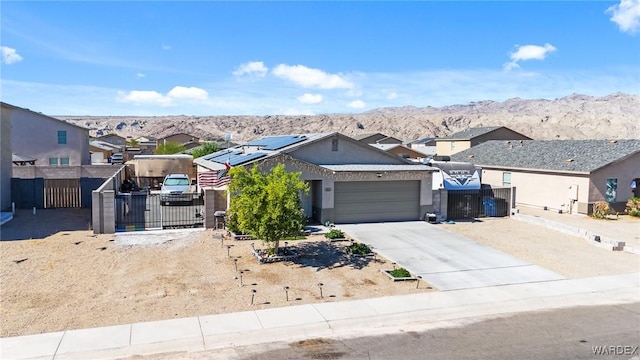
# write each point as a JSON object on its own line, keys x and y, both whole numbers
{"x": 603, "y": 332}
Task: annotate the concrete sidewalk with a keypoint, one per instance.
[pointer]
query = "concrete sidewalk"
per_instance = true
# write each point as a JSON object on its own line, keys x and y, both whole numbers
{"x": 331, "y": 319}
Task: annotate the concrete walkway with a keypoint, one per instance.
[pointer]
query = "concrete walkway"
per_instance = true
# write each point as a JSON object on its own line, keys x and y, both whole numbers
{"x": 331, "y": 319}
{"x": 445, "y": 259}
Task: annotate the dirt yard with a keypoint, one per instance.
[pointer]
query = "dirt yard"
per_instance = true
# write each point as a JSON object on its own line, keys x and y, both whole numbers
{"x": 74, "y": 279}
{"x": 56, "y": 275}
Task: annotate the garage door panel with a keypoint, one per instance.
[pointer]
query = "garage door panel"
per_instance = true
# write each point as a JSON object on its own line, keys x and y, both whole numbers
{"x": 376, "y": 201}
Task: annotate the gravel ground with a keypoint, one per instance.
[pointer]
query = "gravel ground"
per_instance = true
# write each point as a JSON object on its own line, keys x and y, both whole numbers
{"x": 75, "y": 279}
{"x": 57, "y": 275}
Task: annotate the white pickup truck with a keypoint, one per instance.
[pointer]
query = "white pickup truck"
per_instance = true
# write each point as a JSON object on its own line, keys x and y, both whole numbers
{"x": 179, "y": 188}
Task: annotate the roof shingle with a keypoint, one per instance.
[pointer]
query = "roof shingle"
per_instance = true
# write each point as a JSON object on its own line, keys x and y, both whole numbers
{"x": 556, "y": 155}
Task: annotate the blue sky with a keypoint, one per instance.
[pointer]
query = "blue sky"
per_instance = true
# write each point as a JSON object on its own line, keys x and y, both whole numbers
{"x": 259, "y": 58}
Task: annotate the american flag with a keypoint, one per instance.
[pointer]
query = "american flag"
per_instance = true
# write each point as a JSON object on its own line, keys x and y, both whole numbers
{"x": 214, "y": 178}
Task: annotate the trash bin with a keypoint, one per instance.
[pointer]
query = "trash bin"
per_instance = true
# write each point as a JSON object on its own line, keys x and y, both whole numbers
{"x": 489, "y": 205}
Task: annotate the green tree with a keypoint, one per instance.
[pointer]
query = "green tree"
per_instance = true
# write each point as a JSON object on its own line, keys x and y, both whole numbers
{"x": 267, "y": 205}
{"x": 169, "y": 147}
{"x": 205, "y": 149}
{"x": 132, "y": 142}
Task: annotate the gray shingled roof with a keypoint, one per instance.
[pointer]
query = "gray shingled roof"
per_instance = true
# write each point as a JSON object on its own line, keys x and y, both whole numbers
{"x": 556, "y": 155}
{"x": 373, "y": 167}
{"x": 470, "y": 133}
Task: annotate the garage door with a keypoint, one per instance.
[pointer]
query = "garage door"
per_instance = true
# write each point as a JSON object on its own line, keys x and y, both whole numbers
{"x": 376, "y": 201}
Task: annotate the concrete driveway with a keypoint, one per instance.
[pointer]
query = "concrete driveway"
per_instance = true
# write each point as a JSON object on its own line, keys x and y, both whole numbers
{"x": 445, "y": 260}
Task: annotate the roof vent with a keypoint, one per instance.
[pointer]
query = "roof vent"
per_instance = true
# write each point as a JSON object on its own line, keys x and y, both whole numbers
{"x": 613, "y": 141}
{"x": 471, "y": 156}
{"x": 569, "y": 160}
{"x": 507, "y": 142}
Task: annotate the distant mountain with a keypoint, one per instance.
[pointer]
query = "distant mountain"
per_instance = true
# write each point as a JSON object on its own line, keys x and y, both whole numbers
{"x": 615, "y": 116}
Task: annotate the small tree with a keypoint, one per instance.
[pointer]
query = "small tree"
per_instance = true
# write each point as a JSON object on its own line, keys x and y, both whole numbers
{"x": 205, "y": 149}
{"x": 267, "y": 205}
{"x": 169, "y": 147}
{"x": 132, "y": 143}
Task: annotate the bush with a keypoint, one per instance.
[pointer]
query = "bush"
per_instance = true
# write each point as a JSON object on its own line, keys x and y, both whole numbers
{"x": 633, "y": 206}
{"x": 400, "y": 273}
{"x": 601, "y": 209}
{"x": 359, "y": 249}
{"x": 334, "y": 234}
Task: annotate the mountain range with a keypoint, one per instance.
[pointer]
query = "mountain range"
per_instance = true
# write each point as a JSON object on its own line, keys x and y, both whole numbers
{"x": 615, "y": 116}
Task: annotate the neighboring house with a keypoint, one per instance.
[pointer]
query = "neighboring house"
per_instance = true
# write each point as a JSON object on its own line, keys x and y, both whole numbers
{"x": 114, "y": 139}
{"x": 402, "y": 151}
{"x": 562, "y": 175}
{"x": 377, "y": 138}
{"x": 426, "y": 146}
{"x": 5, "y": 158}
{"x": 349, "y": 181}
{"x": 471, "y": 137}
{"x": 101, "y": 151}
{"x": 51, "y": 141}
{"x": 187, "y": 140}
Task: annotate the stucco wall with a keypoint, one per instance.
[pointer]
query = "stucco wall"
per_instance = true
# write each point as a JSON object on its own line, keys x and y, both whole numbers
{"x": 5, "y": 159}
{"x": 625, "y": 171}
{"x": 539, "y": 189}
{"x": 349, "y": 152}
{"x": 36, "y": 135}
{"x": 443, "y": 147}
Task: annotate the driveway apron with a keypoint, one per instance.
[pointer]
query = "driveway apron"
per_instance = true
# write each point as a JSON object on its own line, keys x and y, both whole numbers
{"x": 444, "y": 259}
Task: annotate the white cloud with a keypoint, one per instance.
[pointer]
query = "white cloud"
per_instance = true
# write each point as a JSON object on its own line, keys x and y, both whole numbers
{"x": 141, "y": 97}
{"x": 310, "y": 98}
{"x": 356, "y": 104}
{"x": 626, "y": 15}
{"x": 311, "y": 78}
{"x": 190, "y": 93}
{"x": 9, "y": 55}
{"x": 392, "y": 95}
{"x": 528, "y": 52}
{"x": 145, "y": 97}
{"x": 256, "y": 68}
{"x": 140, "y": 75}
{"x": 166, "y": 47}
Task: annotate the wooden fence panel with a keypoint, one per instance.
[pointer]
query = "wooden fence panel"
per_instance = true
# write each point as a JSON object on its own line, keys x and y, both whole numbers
{"x": 62, "y": 193}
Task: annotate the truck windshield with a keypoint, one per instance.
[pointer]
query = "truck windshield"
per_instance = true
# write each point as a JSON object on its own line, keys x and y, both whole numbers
{"x": 173, "y": 182}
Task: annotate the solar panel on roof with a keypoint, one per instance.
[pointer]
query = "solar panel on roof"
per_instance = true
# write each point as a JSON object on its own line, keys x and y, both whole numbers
{"x": 246, "y": 158}
{"x": 276, "y": 142}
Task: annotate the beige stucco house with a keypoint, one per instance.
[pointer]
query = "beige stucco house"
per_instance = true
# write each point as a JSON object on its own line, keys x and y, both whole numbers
{"x": 187, "y": 140}
{"x": 561, "y": 175}
{"x": 471, "y": 137}
{"x": 350, "y": 181}
{"x": 51, "y": 141}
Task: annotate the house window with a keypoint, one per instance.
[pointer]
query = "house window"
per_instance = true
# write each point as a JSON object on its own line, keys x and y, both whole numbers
{"x": 506, "y": 179}
{"x": 53, "y": 161}
{"x": 62, "y": 137}
{"x": 612, "y": 191}
{"x": 64, "y": 161}
{"x": 334, "y": 144}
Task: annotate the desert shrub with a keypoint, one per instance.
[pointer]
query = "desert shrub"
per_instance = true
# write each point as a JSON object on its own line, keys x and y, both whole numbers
{"x": 633, "y": 206}
{"x": 359, "y": 249}
{"x": 334, "y": 234}
{"x": 400, "y": 273}
{"x": 231, "y": 223}
{"x": 601, "y": 209}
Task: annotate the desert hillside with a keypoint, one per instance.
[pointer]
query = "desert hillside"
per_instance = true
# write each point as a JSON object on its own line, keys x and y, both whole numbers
{"x": 615, "y": 116}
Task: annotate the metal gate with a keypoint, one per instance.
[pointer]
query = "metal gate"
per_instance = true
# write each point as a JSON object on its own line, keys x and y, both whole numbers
{"x": 148, "y": 211}
{"x": 62, "y": 193}
{"x": 470, "y": 204}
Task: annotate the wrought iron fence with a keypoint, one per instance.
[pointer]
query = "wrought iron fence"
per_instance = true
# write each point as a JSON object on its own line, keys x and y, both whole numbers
{"x": 486, "y": 202}
{"x": 146, "y": 211}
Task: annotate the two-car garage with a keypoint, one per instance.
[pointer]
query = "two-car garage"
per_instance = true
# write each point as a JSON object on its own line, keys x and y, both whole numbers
{"x": 376, "y": 201}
